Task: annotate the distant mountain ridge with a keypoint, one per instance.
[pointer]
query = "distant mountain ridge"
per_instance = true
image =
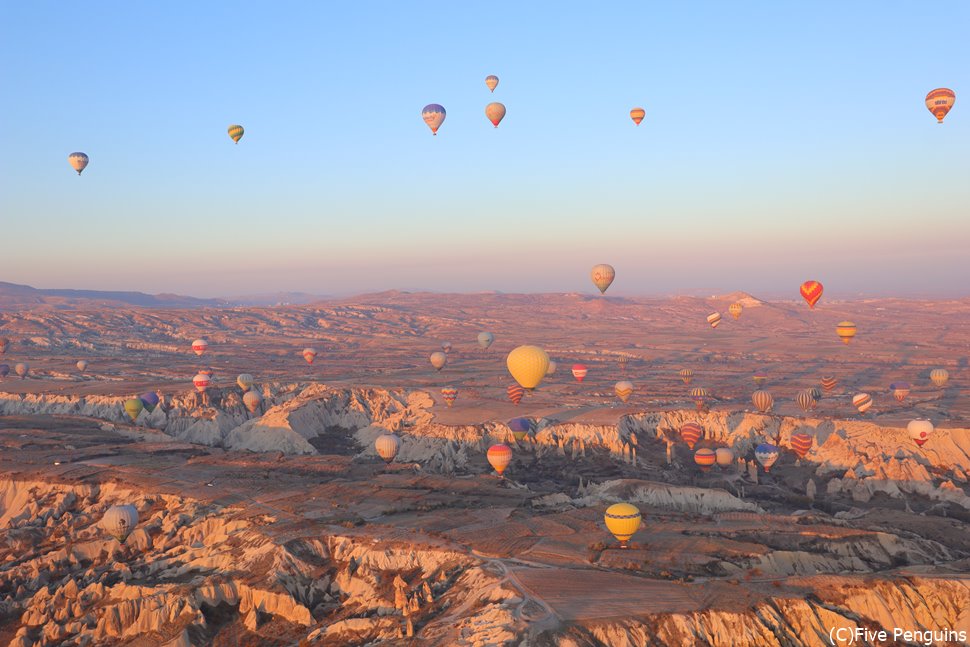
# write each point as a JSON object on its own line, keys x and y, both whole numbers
{"x": 13, "y": 295}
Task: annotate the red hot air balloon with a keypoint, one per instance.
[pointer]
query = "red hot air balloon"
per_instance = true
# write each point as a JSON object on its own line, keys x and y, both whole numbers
{"x": 811, "y": 292}
{"x": 579, "y": 371}
{"x": 829, "y": 383}
{"x": 691, "y": 432}
{"x": 705, "y": 458}
{"x": 801, "y": 443}
{"x": 515, "y": 393}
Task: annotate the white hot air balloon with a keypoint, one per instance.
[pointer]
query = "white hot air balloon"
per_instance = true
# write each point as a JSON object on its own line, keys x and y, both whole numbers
{"x": 119, "y": 521}
{"x": 485, "y": 340}
{"x": 387, "y": 446}
{"x": 252, "y": 400}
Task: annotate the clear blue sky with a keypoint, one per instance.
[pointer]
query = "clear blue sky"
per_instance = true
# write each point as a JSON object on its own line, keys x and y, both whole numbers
{"x": 782, "y": 141}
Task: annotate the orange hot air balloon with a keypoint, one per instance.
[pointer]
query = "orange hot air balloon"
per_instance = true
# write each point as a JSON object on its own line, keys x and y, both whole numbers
{"x": 811, "y": 292}
{"x": 939, "y": 102}
{"x": 714, "y": 319}
{"x": 499, "y": 457}
{"x": 492, "y": 82}
{"x": 691, "y": 432}
{"x": 762, "y": 400}
{"x": 801, "y": 443}
{"x": 686, "y": 375}
{"x": 309, "y": 354}
{"x": 845, "y": 330}
{"x": 698, "y": 394}
{"x": 705, "y": 458}
{"x": 735, "y": 309}
{"x": 829, "y": 383}
{"x": 495, "y": 112}
{"x": 515, "y": 393}
{"x": 449, "y": 393}
{"x": 637, "y": 115}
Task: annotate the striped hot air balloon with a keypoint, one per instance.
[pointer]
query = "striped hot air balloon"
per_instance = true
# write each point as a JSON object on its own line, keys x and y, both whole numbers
{"x": 492, "y": 82}
{"x": 806, "y": 400}
{"x": 714, "y": 319}
{"x": 387, "y": 446}
{"x": 900, "y": 390}
{"x": 862, "y": 402}
{"x": 200, "y": 346}
{"x": 724, "y": 456}
{"x": 623, "y": 390}
{"x": 762, "y": 400}
{"x": 691, "y": 432}
{"x": 846, "y": 331}
{"x": 236, "y": 132}
{"x": 735, "y": 309}
{"x": 811, "y": 291}
{"x": 939, "y": 102}
{"x": 705, "y": 458}
{"x": 637, "y": 115}
{"x": 499, "y": 457}
{"x": 579, "y": 371}
{"x": 78, "y": 161}
{"x": 699, "y": 395}
{"x": 939, "y": 376}
{"x": 495, "y": 112}
{"x": 623, "y": 521}
{"x": 686, "y": 375}
{"x": 520, "y": 427}
{"x": 245, "y": 381}
{"x": 766, "y": 454}
{"x": 801, "y": 443}
{"x": 515, "y": 393}
{"x": 920, "y": 430}
{"x": 433, "y": 115}
{"x": 829, "y": 384}
{"x": 449, "y": 393}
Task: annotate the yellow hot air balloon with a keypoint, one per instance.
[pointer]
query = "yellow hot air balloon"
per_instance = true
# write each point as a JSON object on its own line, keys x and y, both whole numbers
{"x": 623, "y": 520}
{"x": 735, "y": 309}
{"x": 939, "y": 376}
{"x": 637, "y": 115}
{"x": 528, "y": 365}
{"x": 845, "y": 330}
{"x": 492, "y": 82}
{"x": 499, "y": 457}
{"x": 133, "y": 407}
{"x": 236, "y": 132}
{"x": 623, "y": 390}
{"x": 939, "y": 102}
{"x": 603, "y": 276}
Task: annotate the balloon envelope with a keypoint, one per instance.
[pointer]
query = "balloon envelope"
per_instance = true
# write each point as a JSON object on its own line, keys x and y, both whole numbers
{"x": 78, "y": 161}
{"x": 133, "y": 407}
{"x": 705, "y": 458}
{"x": 119, "y": 520}
{"x": 495, "y": 112}
{"x": 602, "y": 276}
{"x": 252, "y": 400}
{"x": 499, "y": 457}
{"x": 686, "y": 375}
{"x": 845, "y": 330}
{"x": 82, "y": 365}
{"x": 580, "y": 371}
{"x": 515, "y": 393}
{"x": 485, "y": 339}
{"x": 387, "y": 446}
{"x": 21, "y": 369}
{"x": 735, "y": 309}
{"x": 433, "y": 115}
{"x": 691, "y": 432}
{"x": 199, "y": 346}
{"x": 939, "y": 102}
{"x": 766, "y": 454}
{"x": 528, "y": 365}
{"x": 623, "y": 390}
{"x": 725, "y": 456}
{"x": 236, "y": 132}
{"x": 201, "y": 382}
{"x": 919, "y": 430}
{"x": 4, "y": 370}
{"x": 438, "y": 359}
{"x": 811, "y": 291}
{"x": 714, "y": 319}
{"x": 622, "y": 520}
{"x": 762, "y": 400}
{"x": 492, "y": 82}
{"x": 150, "y": 400}
{"x": 801, "y": 443}
{"x": 939, "y": 376}
{"x": 309, "y": 354}
{"x": 245, "y": 381}
{"x": 637, "y": 115}
{"x": 862, "y": 402}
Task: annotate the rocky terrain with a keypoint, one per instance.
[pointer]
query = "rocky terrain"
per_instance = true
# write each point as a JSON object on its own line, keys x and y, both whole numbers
{"x": 283, "y": 527}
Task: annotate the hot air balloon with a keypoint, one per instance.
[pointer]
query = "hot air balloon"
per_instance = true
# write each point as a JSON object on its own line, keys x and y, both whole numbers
{"x": 82, "y": 365}
{"x": 438, "y": 360}
{"x": 199, "y": 346}
{"x": 528, "y": 365}
{"x": 845, "y": 330}
{"x": 580, "y": 371}
{"x": 245, "y": 381}
{"x": 806, "y": 400}
{"x": 829, "y": 384}
{"x": 637, "y": 115}
{"x": 492, "y": 82}
{"x": 686, "y": 375}
{"x": 552, "y": 368}
{"x": 603, "y": 276}
{"x": 735, "y": 309}
{"x": 499, "y": 457}
{"x": 495, "y": 112}
{"x": 760, "y": 378}
{"x": 309, "y": 354}
{"x": 252, "y": 400}
{"x": 900, "y": 390}
{"x": 446, "y": 346}
{"x": 816, "y": 393}
{"x": 691, "y": 432}
{"x": 939, "y": 376}
{"x": 939, "y": 102}
{"x": 387, "y": 446}
{"x": 485, "y": 340}
{"x": 4, "y": 342}
{"x": 4, "y": 370}
{"x": 705, "y": 458}
{"x": 762, "y": 400}
{"x": 698, "y": 394}
{"x": 201, "y": 382}
{"x": 433, "y": 115}
{"x": 236, "y": 132}
{"x": 119, "y": 520}
{"x": 766, "y": 454}
{"x": 724, "y": 456}
{"x": 449, "y": 393}
{"x": 520, "y": 427}
{"x": 21, "y": 369}
{"x": 79, "y": 161}
{"x": 801, "y": 443}
{"x": 714, "y": 319}
{"x": 133, "y": 407}
{"x": 920, "y": 430}
{"x": 150, "y": 400}
{"x": 623, "y": 390}
{"x": 515, "y": 393}
{"x": 862, "y": 402}
{"x": 811, "y": 292}
{"x": 623, "y": 521}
